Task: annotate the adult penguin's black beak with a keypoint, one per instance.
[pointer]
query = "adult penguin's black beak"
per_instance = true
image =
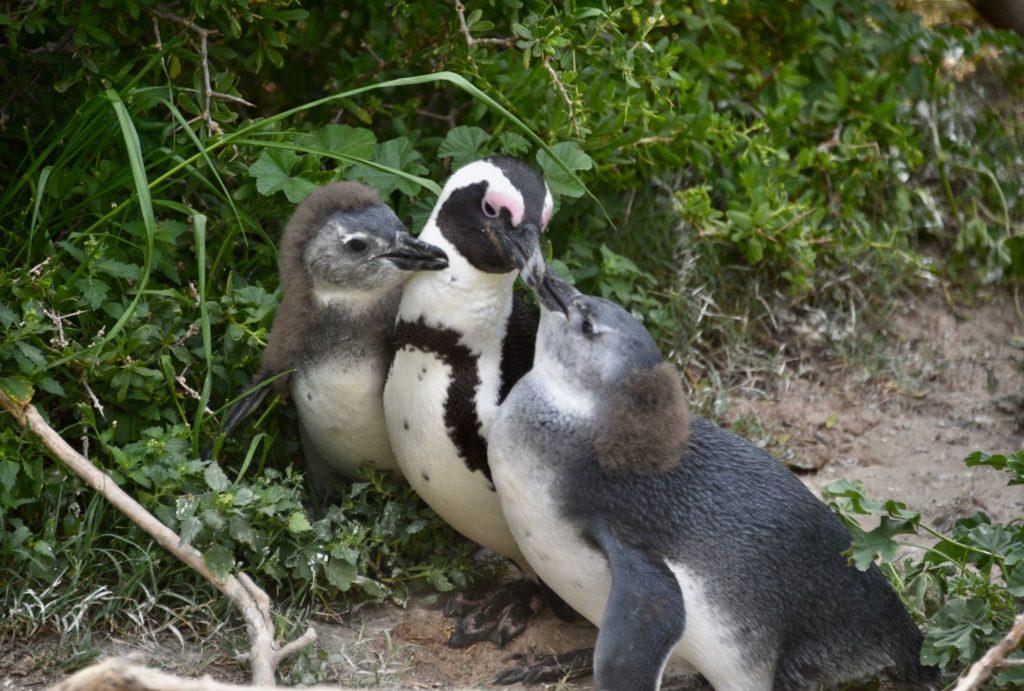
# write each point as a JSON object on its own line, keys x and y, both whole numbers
{"x": 411, "y": 254}
{"x": 555, "y": 294}
{"x": 524, "y": 245}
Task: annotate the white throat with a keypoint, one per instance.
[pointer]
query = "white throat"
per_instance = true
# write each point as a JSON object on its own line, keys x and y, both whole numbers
{"x": 326, "y": 295}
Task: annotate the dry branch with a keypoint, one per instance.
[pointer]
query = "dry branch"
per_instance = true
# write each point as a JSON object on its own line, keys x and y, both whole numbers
{"x": 472, "y": 40}
{"x": 118, "y": 674}
{"x": 995, "y": 657}
{"x": 251, "y": 601}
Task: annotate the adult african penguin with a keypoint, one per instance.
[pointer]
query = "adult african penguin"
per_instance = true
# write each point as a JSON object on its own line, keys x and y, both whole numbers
{"x": 678, "y": 539}
{"x": 461, "y": 340}
{"x": 344, "y": 256}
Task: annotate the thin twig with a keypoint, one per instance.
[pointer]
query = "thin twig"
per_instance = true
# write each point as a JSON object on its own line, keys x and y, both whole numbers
{"x": 183, "y": 383}
{"x": 471, "y": 41}
{"x": 252, "y": 602}
{"x": 171, "y": 17}
{"x": 58, "y": 322}
{"x": 92, "y": 397}
{"x": 208, "y": 92}
{"x": 995, "y": 657}
{"x": 565, "y": 92}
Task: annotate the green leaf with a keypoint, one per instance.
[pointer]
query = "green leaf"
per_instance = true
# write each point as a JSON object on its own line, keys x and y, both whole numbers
{"x": 879, "y": 543}
{"x": 463, "y": 145}
{"x": 394, "y": 153}
{"x": 298, "y": 523}
{"x": 343, "y": 140}
{"x": 272, "y": 171}
{"x": 8, "y": 474}
{"x": 7, "y": 317}
{"x": 17, "y": 389}
{"x": 190, "y": 527}
{"x": 93, "y": 290}
{"x": 118, "y": 269}
{"x": 559, "y": 180}
{"x": 51, "y": 386}
{"x": 513, "y": 144}
{"x": 215, "y": 478}
{"x": 241, "y": 530}
{"x": 340, "y": 573}
{"x": 953, "y": 631}
{"x": 220, "y": 560}
{"x": 1013, "y": 464}
{"x": 1015, "y": 583}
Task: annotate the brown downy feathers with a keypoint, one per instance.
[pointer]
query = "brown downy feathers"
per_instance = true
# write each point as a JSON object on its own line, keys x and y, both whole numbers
{"x": 646, "y": 423}
{"x": 288, "y": 334}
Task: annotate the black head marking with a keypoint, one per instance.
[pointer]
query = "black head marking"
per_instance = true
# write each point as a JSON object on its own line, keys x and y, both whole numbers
{"x": 492, "y": 198}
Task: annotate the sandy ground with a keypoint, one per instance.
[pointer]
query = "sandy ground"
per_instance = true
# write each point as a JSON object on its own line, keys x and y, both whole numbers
{"x": 950, "y": 383}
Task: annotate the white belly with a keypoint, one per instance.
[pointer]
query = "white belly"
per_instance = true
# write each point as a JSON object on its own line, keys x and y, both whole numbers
{"x": 414, "y": 400}
{"x": 342, "y": 414}
{"x": 580, "y": 574}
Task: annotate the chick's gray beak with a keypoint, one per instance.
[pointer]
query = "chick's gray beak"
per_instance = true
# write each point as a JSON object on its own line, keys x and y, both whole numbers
{"x": 524, "y": 246}
{"x": 554, "y": 293}
{"x": 411, "y": 254}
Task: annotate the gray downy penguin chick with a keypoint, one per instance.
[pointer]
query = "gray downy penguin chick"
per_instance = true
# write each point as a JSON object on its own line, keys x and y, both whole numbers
{"x": 461, "y": 340}
{"x": 680, "y": 540}
{"x": 344, "y": 256}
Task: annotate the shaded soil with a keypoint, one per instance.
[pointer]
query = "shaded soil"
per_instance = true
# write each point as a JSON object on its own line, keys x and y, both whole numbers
{"x": 898, "y": 415}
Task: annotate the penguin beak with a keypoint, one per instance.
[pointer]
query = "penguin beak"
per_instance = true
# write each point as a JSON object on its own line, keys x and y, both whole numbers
{"x": 555, "y": 293}
{"x": 411, "y": 254}
{"x": 524, "y": 246}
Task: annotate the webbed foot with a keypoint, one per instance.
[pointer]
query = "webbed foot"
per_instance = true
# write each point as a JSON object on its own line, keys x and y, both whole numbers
{"x": 530, "y": 667}
{"x": 498, "y": 617}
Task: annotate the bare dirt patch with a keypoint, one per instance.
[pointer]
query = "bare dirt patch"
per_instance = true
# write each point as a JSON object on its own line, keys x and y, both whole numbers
{"x": 947, "y": 382}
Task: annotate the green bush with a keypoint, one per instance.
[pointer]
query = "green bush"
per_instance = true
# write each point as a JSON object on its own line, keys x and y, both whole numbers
{"x": 968, "y": 586}
{"x": 702, "y": 153}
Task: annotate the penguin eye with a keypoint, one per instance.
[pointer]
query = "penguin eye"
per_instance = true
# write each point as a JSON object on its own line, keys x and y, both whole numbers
{"x": 356, "y": 245}
{"x": 489, "y": 210}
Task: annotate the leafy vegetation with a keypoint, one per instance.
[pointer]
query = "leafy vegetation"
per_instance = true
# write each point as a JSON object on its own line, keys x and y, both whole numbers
{"x": 968, "y": 585}
{"x": 706, "y": 156}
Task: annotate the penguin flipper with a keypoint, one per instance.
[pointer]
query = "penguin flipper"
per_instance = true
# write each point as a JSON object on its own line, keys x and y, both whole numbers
{"x": 243, "y": 407}
{"x": 644, "y": 617}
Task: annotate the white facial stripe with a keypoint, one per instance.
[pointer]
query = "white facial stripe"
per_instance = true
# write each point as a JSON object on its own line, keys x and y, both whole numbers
{"x": 338, "y": 228}
{"x": 549, "y": 208}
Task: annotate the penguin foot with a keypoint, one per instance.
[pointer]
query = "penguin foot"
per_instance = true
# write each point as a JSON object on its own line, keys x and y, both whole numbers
{"x": 529, "y": 668}
{"x": 497, "y": 617}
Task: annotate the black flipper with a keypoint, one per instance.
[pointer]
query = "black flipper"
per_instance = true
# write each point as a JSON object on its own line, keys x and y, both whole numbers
{"x": 250, "y": 401}
{"x": 643, "y": 620}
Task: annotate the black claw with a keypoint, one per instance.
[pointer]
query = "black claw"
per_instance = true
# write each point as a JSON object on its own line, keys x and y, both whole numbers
{"x": 498, "y": 617}
{"x": 530, "y": 668}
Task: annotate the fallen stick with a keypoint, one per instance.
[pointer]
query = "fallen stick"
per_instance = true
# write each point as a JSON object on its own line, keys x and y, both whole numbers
{"x": 118, "y": 674}
{"x": 251, "y": 601}
{"x": 982, "y": 669}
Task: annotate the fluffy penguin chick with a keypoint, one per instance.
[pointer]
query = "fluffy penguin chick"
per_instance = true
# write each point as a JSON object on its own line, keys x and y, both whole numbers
{"x": 461, "y": 341}
{"x": 344, "y": 256}
{"x": 678, "y": 539}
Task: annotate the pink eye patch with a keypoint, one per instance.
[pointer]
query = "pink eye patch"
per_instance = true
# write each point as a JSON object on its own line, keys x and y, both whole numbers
{"x": 501, "y": 200}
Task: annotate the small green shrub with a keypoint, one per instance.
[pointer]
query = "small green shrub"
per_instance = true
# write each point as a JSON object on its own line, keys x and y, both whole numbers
{"x": 967, "y": 587}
